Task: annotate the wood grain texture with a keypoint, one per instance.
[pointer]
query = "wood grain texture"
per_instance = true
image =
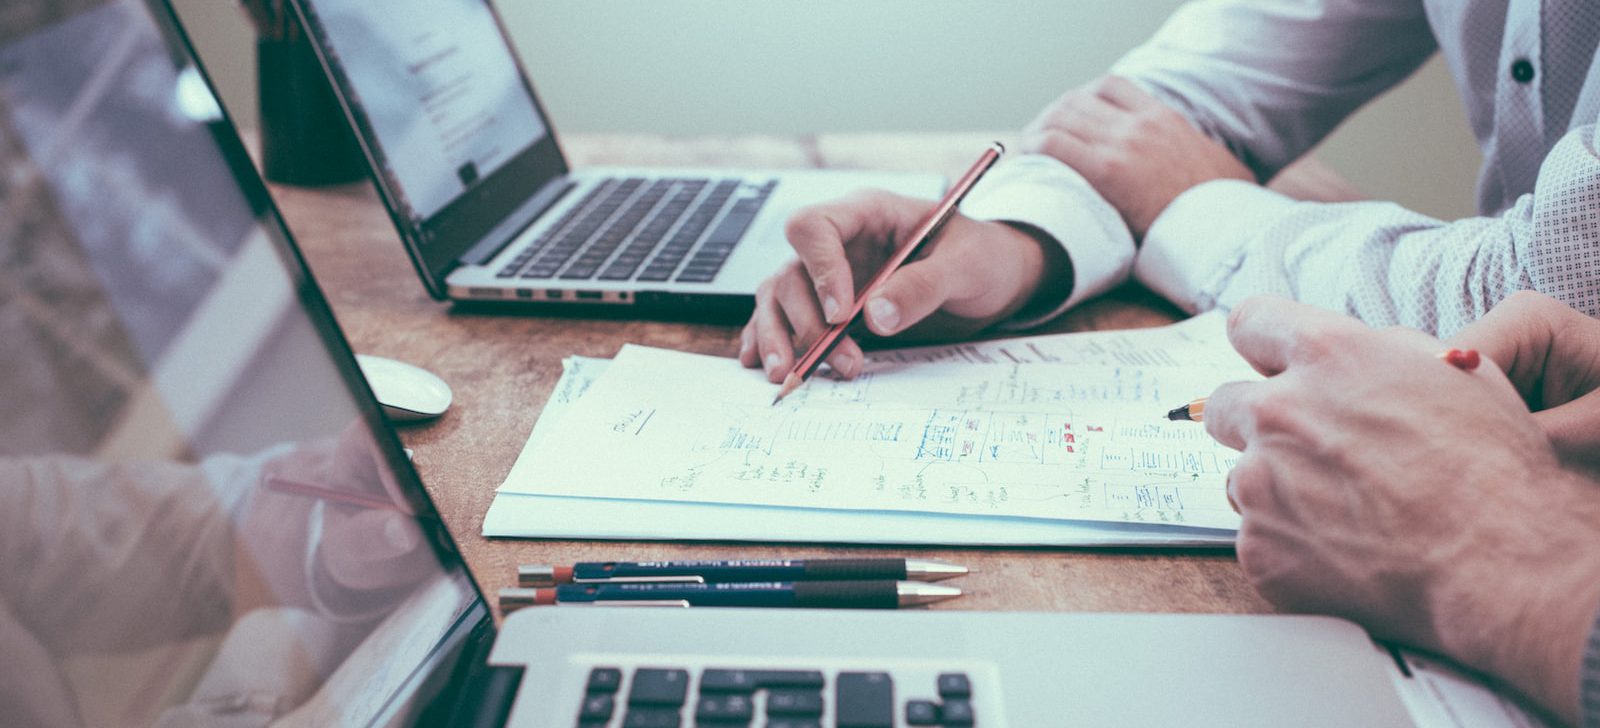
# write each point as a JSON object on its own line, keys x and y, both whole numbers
{"x": 503, "y": 368}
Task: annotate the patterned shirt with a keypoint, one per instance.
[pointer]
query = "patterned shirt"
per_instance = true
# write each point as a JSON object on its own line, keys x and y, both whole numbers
{"x": 1269, "y": 79}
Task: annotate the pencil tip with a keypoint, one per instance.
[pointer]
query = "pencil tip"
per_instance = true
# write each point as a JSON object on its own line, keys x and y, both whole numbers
{"x": 777, "y": 399}
{"x": 1178, "y": 414}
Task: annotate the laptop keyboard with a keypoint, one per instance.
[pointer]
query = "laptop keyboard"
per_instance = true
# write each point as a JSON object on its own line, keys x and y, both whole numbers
{"x": 680, "y": 229}
{"x": 657, "y": 697}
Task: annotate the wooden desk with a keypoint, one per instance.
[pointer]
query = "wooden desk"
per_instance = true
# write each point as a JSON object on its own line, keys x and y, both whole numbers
{"x": 502, "y": 369}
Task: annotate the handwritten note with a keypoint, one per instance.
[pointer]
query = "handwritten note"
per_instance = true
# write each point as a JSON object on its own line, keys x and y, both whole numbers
{"x": 1044, "y": 440}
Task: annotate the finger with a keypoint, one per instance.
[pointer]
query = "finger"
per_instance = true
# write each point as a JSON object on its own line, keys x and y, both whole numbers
{"x": 1271, "y": 333}
{"x": 748, "y": 354}
{"x": 916, "y": 290}
{"x": 1064, "y": 145}
{"x": 847, "y": 358}
{"x": 800, "y": 308}
{"x": 1230, "y": 412}
{"x": 1126, "y": 95}
{"x": 1087, "y": 117}
{"x": 1571, "y": 430}
{"x": 775, "y": 353}
{"x": 1548, "y": 350}
{"x": 820, "y": 233}
{"x": 1248, "y": 484}
{"x": 373, "y": 549}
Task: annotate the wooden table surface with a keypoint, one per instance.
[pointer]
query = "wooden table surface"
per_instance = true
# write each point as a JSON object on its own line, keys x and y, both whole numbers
{"x": 503, "y": 367}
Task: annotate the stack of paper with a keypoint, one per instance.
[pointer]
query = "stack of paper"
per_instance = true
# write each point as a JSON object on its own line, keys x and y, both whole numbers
{"x": 1048, "y": 440}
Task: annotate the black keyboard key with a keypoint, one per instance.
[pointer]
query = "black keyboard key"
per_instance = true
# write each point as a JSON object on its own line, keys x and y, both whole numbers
{"x": 713, "y": 680}
{"x": 922, "y": 712}
{"x": 957, "y": 713}
{"x": 653, "y": 275}
{"x": 732, "y": 227}
{"x": 954, "y": 685}
{"x": 597, "y": 707}
{"x": 652, "y": 718}
{"x": 730, "y": 708}
{"x": 658, "y": 687}
{"x": 794, "y": 723}
{"x": 791, "y": 701}
{"x": 864, "y": 700}
{"x": 604, "y": 680}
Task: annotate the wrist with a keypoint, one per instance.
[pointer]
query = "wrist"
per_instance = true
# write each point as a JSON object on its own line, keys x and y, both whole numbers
{"x": 1046, "y": 271}
{"x": 1524, "y": 610}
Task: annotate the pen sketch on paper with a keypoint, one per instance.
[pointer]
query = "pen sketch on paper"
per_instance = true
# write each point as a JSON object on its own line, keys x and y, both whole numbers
{"x": 1040, "y": 440}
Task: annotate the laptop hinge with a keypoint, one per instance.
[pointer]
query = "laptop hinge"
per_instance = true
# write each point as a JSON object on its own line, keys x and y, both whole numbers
{"x": 487, "y": 704}
{"x": 508, "y": 230}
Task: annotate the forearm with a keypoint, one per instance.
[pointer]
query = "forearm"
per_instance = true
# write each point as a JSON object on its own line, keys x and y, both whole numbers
{"x": 1270, "y": 78}
{"x": 1526, "y": 613}
{"x": 153, "y": 524}
{"x": 1221, "y": 242}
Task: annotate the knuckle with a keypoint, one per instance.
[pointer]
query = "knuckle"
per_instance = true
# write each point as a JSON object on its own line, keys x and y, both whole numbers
{"x": 1318, "y": 341}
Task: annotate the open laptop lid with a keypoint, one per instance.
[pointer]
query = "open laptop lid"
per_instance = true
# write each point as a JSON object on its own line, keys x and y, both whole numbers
{"x": 203, "y": 518}
{"x": 456, "y": 139}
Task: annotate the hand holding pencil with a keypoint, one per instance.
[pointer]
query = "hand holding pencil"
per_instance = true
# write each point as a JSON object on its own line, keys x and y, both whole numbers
{"x": 974, "y": 274}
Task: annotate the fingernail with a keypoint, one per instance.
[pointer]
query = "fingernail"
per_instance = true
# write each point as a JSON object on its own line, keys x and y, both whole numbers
{"x": 848, "y": 368}
{"x": 772, "y": 362}
{"x": 744, "y": 347}
{"x": 830, "y": 308}
{"x": 884, "y": 314}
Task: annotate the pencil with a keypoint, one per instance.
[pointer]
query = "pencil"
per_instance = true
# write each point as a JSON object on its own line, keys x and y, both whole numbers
{"x": 344, "y": 497}
{"x": 806, "y": 365}
{"x": 1464, "y": 359}
{"x": 1193, "y": 412}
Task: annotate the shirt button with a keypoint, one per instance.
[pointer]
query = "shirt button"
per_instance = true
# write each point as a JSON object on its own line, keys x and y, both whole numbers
{"x": 1522, "y": 71}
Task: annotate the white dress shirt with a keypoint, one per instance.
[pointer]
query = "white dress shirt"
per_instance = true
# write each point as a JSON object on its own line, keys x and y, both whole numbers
{"x": 1269, "y": 79}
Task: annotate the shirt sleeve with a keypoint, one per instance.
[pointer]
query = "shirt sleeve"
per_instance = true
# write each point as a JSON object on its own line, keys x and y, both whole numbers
{"x": 1589, "y": 679}
{"x": 1223, "y": 241}
{"x": 1041, "y": 192}
{"x": 1271, "y": 78}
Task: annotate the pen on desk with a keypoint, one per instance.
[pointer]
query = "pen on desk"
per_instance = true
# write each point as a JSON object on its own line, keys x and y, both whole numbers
{"x": 737, "y": 570}
{"x": 877, "y": 594}
{"x": 925, "y": 233}
{"x": 345, "y": 497}
{"x": 1464, "y": 359}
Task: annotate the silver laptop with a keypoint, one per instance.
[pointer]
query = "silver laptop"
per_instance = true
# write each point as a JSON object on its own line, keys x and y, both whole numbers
{"x": 204, "y": 519}
{"x": 489, "y": 209}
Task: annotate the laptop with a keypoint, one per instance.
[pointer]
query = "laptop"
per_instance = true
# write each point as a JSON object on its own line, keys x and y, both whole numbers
{"x": 205, "y": 520}
{"x": 467, "y": 163}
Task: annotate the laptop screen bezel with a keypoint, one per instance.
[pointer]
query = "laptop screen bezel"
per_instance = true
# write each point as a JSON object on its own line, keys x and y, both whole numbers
{"x": 475, "y": 617}
{"x": 437, "y": 244}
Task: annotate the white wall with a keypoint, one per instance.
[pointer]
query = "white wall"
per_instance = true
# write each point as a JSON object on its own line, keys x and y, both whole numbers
{"x": 781, "y": 66}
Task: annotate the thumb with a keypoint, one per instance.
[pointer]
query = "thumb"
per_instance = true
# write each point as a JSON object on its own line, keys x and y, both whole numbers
{"x": 910, "y": 295}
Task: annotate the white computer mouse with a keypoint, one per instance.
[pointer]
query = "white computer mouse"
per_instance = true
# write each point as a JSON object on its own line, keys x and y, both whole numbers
{"x": 407, "y": 392}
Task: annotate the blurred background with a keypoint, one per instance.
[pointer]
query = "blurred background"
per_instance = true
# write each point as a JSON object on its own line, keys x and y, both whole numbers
{"x": 721, "y": 67}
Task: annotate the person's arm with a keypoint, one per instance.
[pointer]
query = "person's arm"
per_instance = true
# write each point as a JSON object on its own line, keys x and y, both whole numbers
{"x": 1270, "y": 78}
{"x": 1224, "y": 241}
{"x": 1381, "y": 484}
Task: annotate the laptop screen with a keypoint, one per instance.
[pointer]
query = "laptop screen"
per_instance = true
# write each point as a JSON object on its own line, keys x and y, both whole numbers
{"x": 203, "y": 520}
{"x": 451, "y": 127}
{"x": 440, "y": 90}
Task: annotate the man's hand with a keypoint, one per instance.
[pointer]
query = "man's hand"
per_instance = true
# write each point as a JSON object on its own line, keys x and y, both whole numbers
{"x": 976, "y": 273}
{"x": 1136, "y": 152}
{"x": 1381, "y": 484}
{"x": 1551, "y": 353}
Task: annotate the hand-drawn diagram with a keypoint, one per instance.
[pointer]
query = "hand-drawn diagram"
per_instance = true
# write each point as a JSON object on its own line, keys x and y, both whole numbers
{"x": 1028, "y": 440}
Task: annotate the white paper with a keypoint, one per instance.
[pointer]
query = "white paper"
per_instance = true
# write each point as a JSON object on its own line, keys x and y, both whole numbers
{"x": 1051, "y": 441}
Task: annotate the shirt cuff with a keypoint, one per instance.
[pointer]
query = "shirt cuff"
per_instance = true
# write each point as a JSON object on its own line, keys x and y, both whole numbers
{"x": 1196, "y": 245}
{"x": 1041, "y": 192}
